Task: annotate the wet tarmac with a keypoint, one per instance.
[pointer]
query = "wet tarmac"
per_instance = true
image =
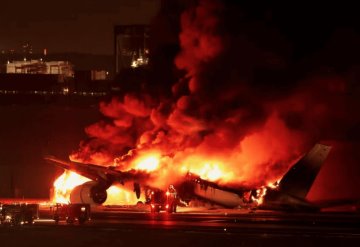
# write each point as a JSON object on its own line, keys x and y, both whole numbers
{"x": 137, "y": 227}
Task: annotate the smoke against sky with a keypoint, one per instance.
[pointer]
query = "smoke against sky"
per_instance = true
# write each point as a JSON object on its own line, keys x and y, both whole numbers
{"x": 72, "y": 26}
{"x": 245, "y": 102}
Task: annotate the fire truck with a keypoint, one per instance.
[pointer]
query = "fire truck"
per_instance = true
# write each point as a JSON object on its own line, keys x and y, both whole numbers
{"x": 160, "y": 200}
{"x": 18, "y": 214}
{"x": 71, "y": 213}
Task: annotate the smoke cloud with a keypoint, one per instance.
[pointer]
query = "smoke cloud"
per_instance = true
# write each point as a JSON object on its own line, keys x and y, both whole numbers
{"x": 240, "y": 103}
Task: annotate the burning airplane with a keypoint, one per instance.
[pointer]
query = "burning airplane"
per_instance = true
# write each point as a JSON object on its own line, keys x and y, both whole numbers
{"x": 287, "y": 193}
{"x": 226, "y": 127}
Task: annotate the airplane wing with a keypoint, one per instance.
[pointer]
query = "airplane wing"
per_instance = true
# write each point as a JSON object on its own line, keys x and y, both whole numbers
{"x": 101, "y": 174}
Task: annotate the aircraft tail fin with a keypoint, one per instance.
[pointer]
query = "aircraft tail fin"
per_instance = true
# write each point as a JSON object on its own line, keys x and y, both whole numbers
{"x": 299, "y": 179}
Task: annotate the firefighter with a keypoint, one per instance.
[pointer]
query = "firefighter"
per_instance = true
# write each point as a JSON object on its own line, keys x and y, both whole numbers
{"x": 172, "y": 199}
{"x": 172, "y": 189}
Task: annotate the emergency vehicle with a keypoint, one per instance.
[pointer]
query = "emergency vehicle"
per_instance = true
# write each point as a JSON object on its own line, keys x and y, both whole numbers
{"x": 163, "y": 200}
{"x": 71, "y": 213}
{"x": 18, "y": 214}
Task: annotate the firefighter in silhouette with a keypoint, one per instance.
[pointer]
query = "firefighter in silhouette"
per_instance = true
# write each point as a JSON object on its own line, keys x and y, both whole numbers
{"x": 172, "y": 199}
{"x": 172, "y": 189}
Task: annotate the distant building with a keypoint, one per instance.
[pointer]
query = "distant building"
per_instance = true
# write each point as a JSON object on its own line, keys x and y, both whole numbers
{"x": 27, "y": 49}
{"x": 62, "y": 68}
{"x": 99, "y": 75}
{"x": 91, "y": 81}
{"x": 131, "y": 46}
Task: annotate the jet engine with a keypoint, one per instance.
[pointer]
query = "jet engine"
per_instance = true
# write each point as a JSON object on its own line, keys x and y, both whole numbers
{"x": 90, "y": 192}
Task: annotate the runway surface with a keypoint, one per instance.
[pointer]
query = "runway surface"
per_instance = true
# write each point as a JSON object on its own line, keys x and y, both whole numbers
{"x": 129, "y": 227}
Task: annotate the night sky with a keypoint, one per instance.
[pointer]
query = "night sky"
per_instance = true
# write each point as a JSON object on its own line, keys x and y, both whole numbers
{"x": 84, "y": 26}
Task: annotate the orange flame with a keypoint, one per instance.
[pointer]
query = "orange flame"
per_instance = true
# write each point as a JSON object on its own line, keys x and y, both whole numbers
{"x": 149, "y": 162}
{"x": 66, "y": 182}
{"x": 208, "y": 170}
{"x": 260, "y": 194}
{"x": 121, "y": 196}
